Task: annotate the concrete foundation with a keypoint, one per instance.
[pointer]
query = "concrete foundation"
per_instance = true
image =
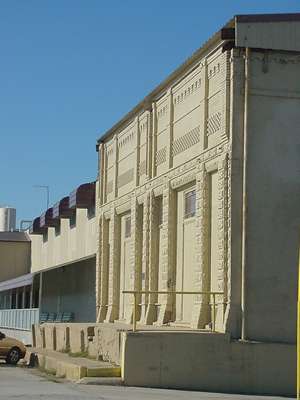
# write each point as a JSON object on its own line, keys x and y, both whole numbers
{"x": 183, "y": 359}
{"x": 208, "y": 362}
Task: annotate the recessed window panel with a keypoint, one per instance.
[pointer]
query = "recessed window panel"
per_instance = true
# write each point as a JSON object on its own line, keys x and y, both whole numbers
{"x": 190, "y": 204}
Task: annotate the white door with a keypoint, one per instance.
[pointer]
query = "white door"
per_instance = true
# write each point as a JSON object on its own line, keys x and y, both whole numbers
{"x": 186, "y": 247}
{"x": 214, "y": 247}
{"x": 125, "y": 299}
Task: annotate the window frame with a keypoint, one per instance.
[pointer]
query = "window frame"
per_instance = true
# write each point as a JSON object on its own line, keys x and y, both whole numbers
{"x": 189, "y": 209}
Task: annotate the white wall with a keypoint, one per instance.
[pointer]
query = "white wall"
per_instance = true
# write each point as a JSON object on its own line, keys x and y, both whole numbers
{"x": 273, "y": 192}
{"x": 71, "y": 244}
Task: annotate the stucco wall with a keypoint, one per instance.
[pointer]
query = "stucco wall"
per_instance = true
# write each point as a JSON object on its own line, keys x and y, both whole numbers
{"x": 71, "y": 243}
{"x": 182, "y": 142}
{"x": 71, "y": 289}
{"x": 273, "y": 193}
{"x": 208, "y": 362}
{"x": 14, "y": 259}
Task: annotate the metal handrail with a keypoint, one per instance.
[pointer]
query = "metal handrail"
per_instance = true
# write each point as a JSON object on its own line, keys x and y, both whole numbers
{"x": 137, "y": 292}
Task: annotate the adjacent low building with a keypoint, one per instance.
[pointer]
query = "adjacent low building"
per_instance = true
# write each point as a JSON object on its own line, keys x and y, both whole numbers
{"x": 63, "y": 252}
{"x": 48, "y": 273}
{"x": 18, "y": 300}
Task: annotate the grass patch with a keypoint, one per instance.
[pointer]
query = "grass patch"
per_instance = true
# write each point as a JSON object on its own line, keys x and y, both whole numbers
{"x": 83, "y": 354}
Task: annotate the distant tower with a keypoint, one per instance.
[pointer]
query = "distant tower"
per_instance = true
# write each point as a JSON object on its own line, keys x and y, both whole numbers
{"x": 7, "y": 219}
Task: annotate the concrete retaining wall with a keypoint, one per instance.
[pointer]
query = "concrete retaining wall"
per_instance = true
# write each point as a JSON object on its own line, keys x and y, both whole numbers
{"x": 209, "y": 362}
{"x": 99, "y": 341}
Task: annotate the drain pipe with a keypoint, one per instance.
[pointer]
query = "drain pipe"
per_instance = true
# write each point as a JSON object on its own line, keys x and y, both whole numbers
{"x": 244, "y": 205}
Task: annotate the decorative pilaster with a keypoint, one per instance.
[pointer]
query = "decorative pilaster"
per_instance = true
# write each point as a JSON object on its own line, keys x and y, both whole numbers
{"x": 102, "y": 269}
{"x": 116, "y": 172}
{"x": 168, "y": 262}
{"x": 136, "y": 152}
{"x": 145, "y": 256}
{"x": 201, "y": 311}
{"x": 153, "y": 257}
{"x": 222, "y": 241}
{"x": 170, "y": 130}
{"x": 114, "y": 268}
{"x": 101, "y": 174}
{"x": 136, "y": 256}
{"x": 154, "y": 139}
{"x": 205, "y": 107}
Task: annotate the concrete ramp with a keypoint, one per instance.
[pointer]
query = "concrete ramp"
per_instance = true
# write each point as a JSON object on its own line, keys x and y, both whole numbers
{"x": 72, "y": 368}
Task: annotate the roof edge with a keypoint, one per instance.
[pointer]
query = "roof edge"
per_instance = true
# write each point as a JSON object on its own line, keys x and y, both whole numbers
{"x": 146, "y": 102}
{"x": 267, "y": 17}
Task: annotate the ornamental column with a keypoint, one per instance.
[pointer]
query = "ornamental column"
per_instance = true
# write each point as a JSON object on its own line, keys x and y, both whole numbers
{"x": 168, "y": 262}
{"x": 145, "y": 257}
{"x": 114, "y": 268}
{"x": 102, "y": 269}
{"x": 201, "y": 310}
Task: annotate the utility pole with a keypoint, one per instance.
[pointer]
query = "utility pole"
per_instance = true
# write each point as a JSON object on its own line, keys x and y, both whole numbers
{"x": 46, "y": 187}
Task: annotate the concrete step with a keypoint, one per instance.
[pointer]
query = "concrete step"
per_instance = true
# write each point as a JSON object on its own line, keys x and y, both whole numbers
{"x": 101, "y": 381}
{"x": 63, "y": 365}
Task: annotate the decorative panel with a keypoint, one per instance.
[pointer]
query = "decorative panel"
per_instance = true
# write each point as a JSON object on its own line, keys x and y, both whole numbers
{"x": 188, "y": 93}
{"x": 186, "y": 141}
{"x": 125, "y": 178}
{"x": 161, "y": 156}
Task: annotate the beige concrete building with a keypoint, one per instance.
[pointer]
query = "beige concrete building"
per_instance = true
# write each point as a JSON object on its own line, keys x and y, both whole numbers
{"x": 199, "y": 189}
{"x": 15, "y": 277}
{"x": 63, "y": 252}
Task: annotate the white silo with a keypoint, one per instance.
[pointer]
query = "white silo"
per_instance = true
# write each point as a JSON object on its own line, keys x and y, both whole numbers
{"x": 7, "y": 219}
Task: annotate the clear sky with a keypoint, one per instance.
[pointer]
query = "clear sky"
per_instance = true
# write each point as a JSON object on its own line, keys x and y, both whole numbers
{"x": 69, "y": 69}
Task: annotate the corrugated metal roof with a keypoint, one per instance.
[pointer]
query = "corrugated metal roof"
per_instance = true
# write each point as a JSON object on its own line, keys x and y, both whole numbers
{"x": 20, "y": 281}
{"x": 14, "y": 237}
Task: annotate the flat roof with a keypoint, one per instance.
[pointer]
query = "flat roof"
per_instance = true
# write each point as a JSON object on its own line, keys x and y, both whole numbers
{"x": 268, "y": 17}
{"x": 14, "y": 237}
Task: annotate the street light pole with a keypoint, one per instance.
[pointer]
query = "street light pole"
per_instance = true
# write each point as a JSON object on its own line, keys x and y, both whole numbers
{"x": 46, "y": 187}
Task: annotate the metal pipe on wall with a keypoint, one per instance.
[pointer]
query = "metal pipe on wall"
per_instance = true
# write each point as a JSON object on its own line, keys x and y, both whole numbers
{"x": 244, "y": 202}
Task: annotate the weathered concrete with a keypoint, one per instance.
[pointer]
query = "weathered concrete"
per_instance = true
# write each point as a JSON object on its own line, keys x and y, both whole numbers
{"x": 208, "y": 362}
{"x": 102, "y": 341}
{"x": 72, "y": 368}
{"x": 30, "y": 384}
{"x": 62, "y": 337}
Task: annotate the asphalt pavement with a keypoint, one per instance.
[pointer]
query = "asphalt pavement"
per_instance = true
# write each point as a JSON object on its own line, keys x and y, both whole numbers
{"x": 30, "y": 384}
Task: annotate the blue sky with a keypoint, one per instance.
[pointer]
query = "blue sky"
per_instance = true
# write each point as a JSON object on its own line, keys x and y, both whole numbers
{"x": 71, "y": 68}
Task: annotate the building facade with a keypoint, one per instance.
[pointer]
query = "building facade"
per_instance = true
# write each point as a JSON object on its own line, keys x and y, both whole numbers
{"x": 63, "y": 256}
{"x": 190, "y": 189}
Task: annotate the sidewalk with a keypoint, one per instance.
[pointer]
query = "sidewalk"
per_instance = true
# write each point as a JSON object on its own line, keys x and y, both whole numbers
{"x": 62, "y": 365}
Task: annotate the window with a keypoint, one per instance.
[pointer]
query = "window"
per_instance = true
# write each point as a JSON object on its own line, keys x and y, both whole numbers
{"x": 91, "y": 212}
{"x": 190, "y": 204}
{"x": 57, "y": 229}
{"x": 73, "y": 220}
{"x": 159, "y": 204}
{"x": 127, "y": 227}
{"x": 45, "y": 236}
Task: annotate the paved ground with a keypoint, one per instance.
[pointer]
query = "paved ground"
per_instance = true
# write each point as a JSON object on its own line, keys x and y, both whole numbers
{"x": 27, "y": 384}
